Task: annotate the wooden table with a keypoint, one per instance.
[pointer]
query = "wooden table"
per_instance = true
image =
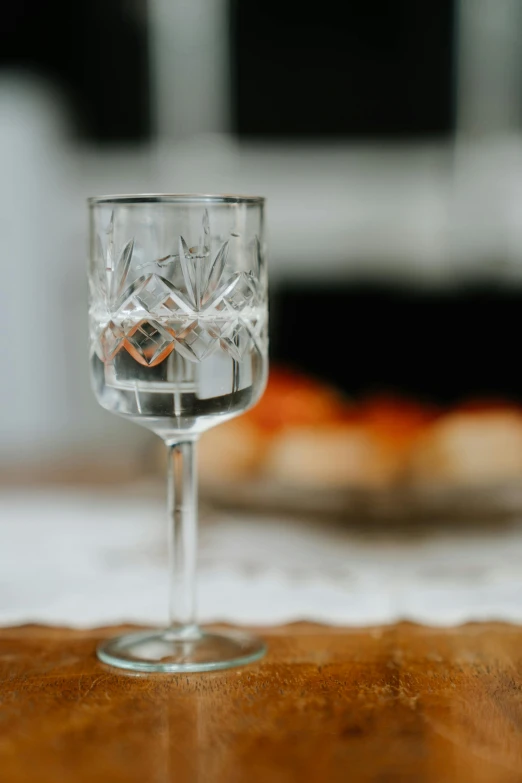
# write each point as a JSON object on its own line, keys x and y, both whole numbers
{"x": 402, "y": 704}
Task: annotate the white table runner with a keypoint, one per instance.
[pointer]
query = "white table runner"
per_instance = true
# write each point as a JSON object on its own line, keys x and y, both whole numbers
{"x": 82, "y": 559}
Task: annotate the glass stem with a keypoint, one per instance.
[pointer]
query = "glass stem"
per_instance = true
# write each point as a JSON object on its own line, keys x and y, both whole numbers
{"x": 183, "y": 535}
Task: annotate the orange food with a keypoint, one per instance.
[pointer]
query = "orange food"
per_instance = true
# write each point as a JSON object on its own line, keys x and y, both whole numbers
{"x": 395, "y": 422}
{"x": 345, "y": 455}
{"x": 233, "y": 451}
{"x": 292, "y": 399}
{"x": 470, "y": 447}
{"x": 305, "y": 433}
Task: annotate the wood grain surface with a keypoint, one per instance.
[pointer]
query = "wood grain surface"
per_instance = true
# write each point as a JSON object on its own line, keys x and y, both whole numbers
{"x": 403, "y": 703}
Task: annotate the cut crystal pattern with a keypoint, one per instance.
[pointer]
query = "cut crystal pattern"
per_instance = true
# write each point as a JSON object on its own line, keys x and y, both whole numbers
{"x": 112, "y": 340}
{"x": 213, "y": 306}
{"x": 154, "y": 294}
{"x": 195, "y": 342}
{"x": 150, "y": 343}
{"x": 242, "y": 294}
{"x": 122, "y": 270}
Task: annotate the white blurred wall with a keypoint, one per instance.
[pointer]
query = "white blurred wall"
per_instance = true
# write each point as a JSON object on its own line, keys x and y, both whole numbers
{"x": 46, "y": 407}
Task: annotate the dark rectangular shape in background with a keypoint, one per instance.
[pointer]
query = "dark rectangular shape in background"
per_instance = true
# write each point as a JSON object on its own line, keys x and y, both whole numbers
{"x": 442, "y": 345}
{"x": 358, "y": 68}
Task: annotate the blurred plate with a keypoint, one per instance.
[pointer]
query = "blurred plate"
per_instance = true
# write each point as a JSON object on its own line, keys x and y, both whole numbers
{"x": 437, "y": 503}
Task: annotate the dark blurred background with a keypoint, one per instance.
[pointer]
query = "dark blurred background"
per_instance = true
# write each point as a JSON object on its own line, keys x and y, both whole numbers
{"x": 354, "y": 70}
{"x": 386, "y": 136}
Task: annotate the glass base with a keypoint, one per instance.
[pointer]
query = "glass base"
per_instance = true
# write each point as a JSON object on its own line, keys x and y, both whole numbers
{"x": 180, "y": 650}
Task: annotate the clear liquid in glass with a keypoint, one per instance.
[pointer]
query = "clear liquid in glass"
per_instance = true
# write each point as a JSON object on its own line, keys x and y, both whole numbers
{"x": 175, "y": 375}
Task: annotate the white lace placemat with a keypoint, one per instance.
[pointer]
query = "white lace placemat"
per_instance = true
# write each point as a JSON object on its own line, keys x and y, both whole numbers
{"x": 83, "y": 559}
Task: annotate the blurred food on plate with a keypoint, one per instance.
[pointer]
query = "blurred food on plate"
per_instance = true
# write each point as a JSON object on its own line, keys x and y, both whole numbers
{"x": 232, "y": 451}
{"x": 304, "y": 433}
{"x": 470, "y": 446}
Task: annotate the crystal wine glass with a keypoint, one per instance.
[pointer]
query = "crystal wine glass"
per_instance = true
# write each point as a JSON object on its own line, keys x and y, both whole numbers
{"x": 178, "y": 336}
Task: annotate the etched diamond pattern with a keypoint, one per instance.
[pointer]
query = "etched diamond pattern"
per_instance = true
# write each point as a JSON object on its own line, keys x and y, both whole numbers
{"x": 112, "y": 340}
{"x": 155, "y": 295}
{"x": 196, "y": 342}
{"x": 212, "y": 304}
{"x": 242, "y": 295}
{"x": 150, "y": 343}
{"x": 151, "y": 293}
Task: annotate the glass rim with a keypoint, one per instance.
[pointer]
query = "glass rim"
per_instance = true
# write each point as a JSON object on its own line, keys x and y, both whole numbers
{"x": 175, "y": 198}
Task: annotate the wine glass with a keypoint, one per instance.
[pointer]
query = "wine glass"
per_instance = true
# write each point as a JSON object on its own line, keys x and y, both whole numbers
{"x": 178, "y": 344}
